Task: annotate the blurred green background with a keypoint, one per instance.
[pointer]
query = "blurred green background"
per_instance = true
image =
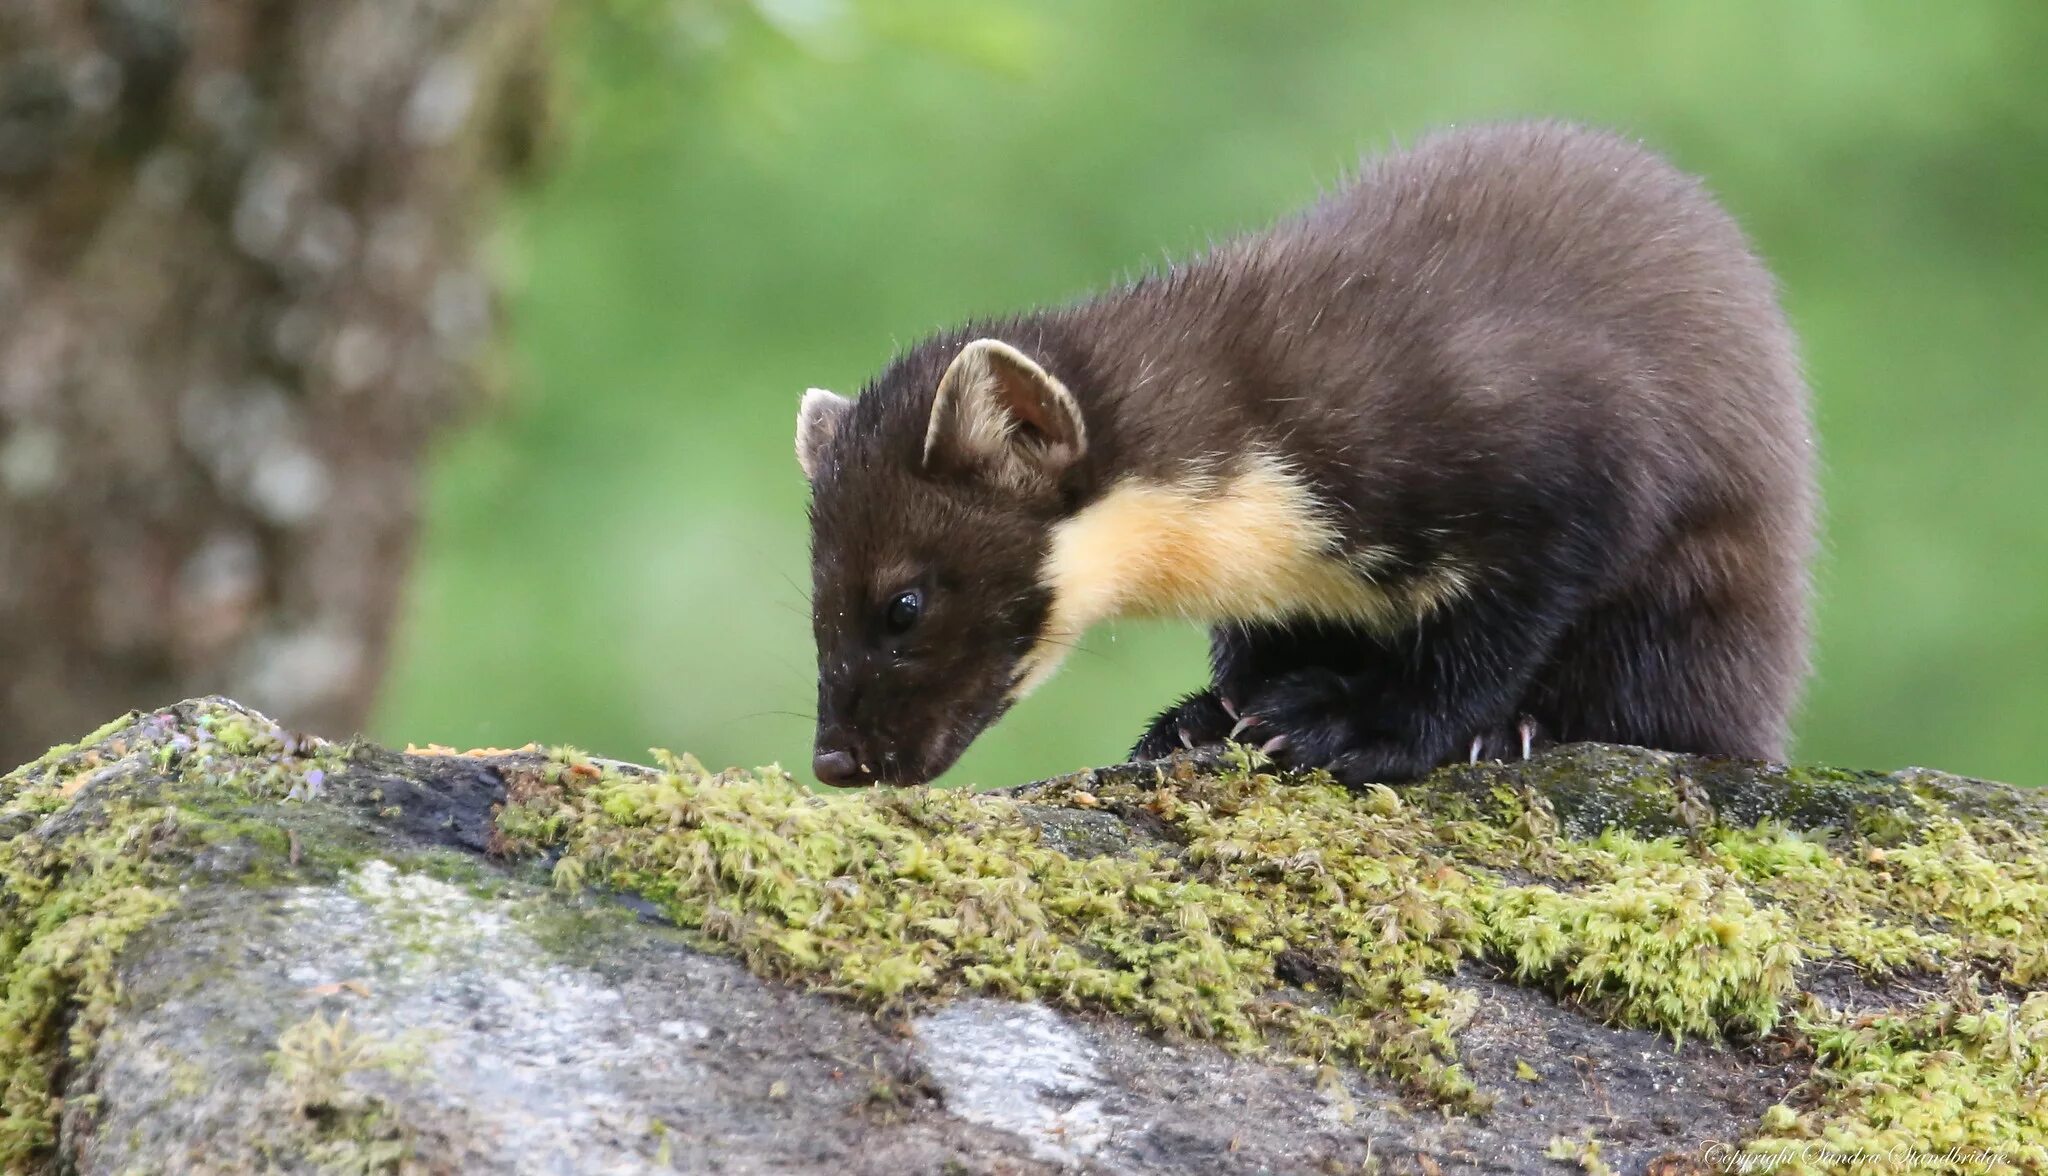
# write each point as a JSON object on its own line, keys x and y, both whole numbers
{"x": 752, "y": 200}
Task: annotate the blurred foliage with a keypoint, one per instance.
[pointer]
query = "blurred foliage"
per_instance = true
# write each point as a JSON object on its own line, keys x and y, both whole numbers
{"x": 764, "y": 198}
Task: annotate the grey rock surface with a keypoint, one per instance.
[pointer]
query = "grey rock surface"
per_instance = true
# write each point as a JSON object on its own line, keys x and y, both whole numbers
{"x": 397, "y": 1021}
{"x": 394, "y": 1020}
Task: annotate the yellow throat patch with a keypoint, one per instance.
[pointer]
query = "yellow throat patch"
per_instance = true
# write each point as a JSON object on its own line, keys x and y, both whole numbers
{"x": 1254, "y": 545}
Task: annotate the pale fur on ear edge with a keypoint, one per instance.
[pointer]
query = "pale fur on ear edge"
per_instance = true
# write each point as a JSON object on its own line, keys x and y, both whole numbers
{"x": 970, "y": 405}
{"x": 816, "y": 417}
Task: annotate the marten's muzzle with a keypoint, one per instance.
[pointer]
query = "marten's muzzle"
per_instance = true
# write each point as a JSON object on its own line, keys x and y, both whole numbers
{"x": 839, "y": 767}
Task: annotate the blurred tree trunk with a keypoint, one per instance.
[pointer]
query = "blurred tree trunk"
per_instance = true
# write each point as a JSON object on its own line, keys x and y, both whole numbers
{"x": 239, "y": 296}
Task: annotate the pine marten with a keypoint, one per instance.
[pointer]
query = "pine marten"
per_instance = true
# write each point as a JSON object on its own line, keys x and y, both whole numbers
{"x": 1503, "y": 441}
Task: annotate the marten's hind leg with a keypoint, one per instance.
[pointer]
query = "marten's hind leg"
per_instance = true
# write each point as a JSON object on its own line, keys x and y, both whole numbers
{"x": 1715, "y": 675}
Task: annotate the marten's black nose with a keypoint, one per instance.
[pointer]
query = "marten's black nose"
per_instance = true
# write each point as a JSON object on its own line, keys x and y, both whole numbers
{"x": 836, "y": 767}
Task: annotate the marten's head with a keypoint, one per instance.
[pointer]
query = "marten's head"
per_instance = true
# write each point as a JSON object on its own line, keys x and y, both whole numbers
{"x": 933, "y": 501}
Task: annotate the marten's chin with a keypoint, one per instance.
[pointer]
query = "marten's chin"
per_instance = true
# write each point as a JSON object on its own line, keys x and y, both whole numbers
{"x": 950, "y": 743}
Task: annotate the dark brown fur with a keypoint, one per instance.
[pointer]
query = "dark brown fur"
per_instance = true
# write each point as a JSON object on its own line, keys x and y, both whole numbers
{"x": 1532, "y": 351}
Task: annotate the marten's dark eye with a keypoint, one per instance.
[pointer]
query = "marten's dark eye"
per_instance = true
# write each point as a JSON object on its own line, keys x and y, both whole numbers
{"x": 903, "y": 612}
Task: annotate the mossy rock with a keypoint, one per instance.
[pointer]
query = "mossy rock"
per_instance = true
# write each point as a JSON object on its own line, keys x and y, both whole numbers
{"x": 229, "y": 948}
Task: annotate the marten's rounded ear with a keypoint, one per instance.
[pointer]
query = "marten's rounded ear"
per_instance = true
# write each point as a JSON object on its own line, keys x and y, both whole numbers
{"x": 816, "y": 418}
{"x": 998, "y": 412}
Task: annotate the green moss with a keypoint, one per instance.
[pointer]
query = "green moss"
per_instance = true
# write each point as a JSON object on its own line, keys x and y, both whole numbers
{"x": 1960, "y": 1085}
{"x": 1291, "y": 914}
{"x": 95, "y": 844}
{"x": 1960, "y": 891}
{"x": 342, "y": 1128}
{"x": 1670, "y": 945}
{"x": 71, "y": 902}
{"x": 63, "y": 751}
{"x": 1582, "y": 1153}
{"x": 892, "y": 896}
{"x": 71, "y": 892}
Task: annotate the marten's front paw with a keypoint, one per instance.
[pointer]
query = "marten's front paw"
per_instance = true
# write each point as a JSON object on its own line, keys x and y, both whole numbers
{"x": 1304, "y": 718}
{"x": 1317, "y": 718}
{"x": 1199, "y": 720}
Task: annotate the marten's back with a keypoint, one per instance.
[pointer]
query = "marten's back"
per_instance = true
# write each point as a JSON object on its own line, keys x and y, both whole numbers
{"x": 1488, "y": 303}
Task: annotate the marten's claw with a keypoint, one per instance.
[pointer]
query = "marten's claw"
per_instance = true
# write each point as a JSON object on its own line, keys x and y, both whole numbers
{"x": 1197, "y": 721}
{"x": 1501, "y": 743}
